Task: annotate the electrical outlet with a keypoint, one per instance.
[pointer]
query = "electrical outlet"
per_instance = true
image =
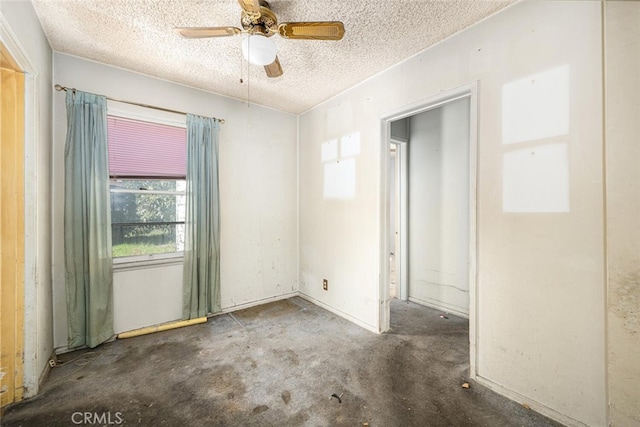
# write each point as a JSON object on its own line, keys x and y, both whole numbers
{"x": 325, "y": 284}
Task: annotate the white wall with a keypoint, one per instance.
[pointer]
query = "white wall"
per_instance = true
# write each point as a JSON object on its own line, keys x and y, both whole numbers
{"x": 439, "y": 207}
{"x": 21, "y": 24}
{"x": 540, "y": 283}
{"x": 146, "y": 296}
{"x": 258, "y": 196}
{"x": 622, "y": 60}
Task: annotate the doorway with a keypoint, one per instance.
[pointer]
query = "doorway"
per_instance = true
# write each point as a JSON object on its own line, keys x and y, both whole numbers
{"x": 429, "y": 215}
{"x": 26, "y": 239}
{"x": 12, "y": 229}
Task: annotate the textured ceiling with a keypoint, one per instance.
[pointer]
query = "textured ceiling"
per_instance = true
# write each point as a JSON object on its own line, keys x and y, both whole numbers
{"x": 137, "y": 35}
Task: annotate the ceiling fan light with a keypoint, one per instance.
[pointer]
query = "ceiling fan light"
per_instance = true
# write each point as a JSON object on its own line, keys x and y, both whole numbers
{"x": 259, "y": 50}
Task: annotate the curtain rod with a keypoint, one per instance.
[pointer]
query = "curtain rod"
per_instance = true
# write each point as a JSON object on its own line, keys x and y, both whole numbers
{"x": 59, "y": 88}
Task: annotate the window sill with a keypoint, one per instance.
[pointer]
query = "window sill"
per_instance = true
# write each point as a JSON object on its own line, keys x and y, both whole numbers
{"x": 146, "y": 261}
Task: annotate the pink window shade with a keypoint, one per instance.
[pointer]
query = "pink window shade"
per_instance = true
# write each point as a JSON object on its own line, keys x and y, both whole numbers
{"x": 146, "y": 150}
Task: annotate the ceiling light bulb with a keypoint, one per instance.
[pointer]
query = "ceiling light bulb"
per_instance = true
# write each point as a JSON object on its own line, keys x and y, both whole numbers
{"x": 259, "y": 50}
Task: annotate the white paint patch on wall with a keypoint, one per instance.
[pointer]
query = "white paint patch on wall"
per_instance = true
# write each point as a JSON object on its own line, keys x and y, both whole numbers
{"x": 439, "y": 207}
{"x": 536, "y": 179}
{"x": 536, "y": 106}
{"x": 536, "y": 119}
{"x": 339, "y": 158}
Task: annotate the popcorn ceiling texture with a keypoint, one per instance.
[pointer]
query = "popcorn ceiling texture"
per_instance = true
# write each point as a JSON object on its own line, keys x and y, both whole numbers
{"x": 137, "y": 35}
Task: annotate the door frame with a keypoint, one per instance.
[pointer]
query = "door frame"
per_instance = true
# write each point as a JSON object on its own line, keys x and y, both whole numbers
{"x": 402, "y": 244}
{"x": 32, "y": 235}
{"x": 470, "y": 91}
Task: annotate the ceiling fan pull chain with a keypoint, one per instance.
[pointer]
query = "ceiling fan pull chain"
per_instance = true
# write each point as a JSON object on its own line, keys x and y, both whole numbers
{"x": 249, "y": 77}
{"x": 241, "y": 79}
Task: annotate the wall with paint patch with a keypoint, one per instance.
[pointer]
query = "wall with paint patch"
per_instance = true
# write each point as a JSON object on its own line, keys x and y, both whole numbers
{"x": 540, "y": 289}
{"x": 622, "y": 89}
{"x": 258, "y": 198}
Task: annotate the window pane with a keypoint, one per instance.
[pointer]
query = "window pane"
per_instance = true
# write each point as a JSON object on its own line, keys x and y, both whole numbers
{"x": 145, "y": 219}
{"x": 147, "y": 207}
{"x": 131, "y": 240}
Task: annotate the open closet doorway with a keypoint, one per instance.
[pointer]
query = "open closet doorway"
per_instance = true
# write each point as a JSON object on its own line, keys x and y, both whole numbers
{"x": 429, "y": 217}
{"x": 398, "y": 210}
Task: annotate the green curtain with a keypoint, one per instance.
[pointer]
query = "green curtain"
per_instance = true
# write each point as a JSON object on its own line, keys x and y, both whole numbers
{"x": 201, "y": 293}
{"x": 87, "y": 222}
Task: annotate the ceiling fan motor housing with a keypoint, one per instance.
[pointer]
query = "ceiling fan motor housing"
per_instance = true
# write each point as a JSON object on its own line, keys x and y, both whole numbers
{"x": 266, "y": 23}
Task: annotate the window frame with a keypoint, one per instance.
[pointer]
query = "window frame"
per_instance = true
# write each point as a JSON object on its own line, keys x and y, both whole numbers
{"x": 134, "y": 112}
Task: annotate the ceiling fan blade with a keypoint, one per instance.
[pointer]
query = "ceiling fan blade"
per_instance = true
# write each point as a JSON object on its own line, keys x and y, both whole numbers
{"x": 252, "y": 7}
{"x": 204, "y": 32}
{"x": 274, "y": 69}
{"x": 328, "y": 30}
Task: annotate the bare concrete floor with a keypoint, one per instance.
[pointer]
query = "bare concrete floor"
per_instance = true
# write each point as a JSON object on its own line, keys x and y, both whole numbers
{"x": 277, "y": 365}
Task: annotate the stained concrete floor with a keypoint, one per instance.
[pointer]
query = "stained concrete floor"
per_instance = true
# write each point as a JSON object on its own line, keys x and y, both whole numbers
{"x": 277, "y": 365}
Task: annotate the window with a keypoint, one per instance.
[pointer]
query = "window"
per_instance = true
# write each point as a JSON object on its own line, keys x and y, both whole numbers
{"x": 147, "y": 170}
{"x": 147, "y": 216}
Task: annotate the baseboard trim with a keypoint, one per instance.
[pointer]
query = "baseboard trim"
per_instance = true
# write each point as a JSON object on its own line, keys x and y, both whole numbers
{"x": 535, "y": 406}
{"x": 439, "y": 305}
{"x": 341, "y": 313}
{"x": 250, "y": 304}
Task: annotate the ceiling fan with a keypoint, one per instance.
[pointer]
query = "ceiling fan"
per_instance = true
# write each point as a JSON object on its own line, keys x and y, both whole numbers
{"x": 260, "y": 23}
